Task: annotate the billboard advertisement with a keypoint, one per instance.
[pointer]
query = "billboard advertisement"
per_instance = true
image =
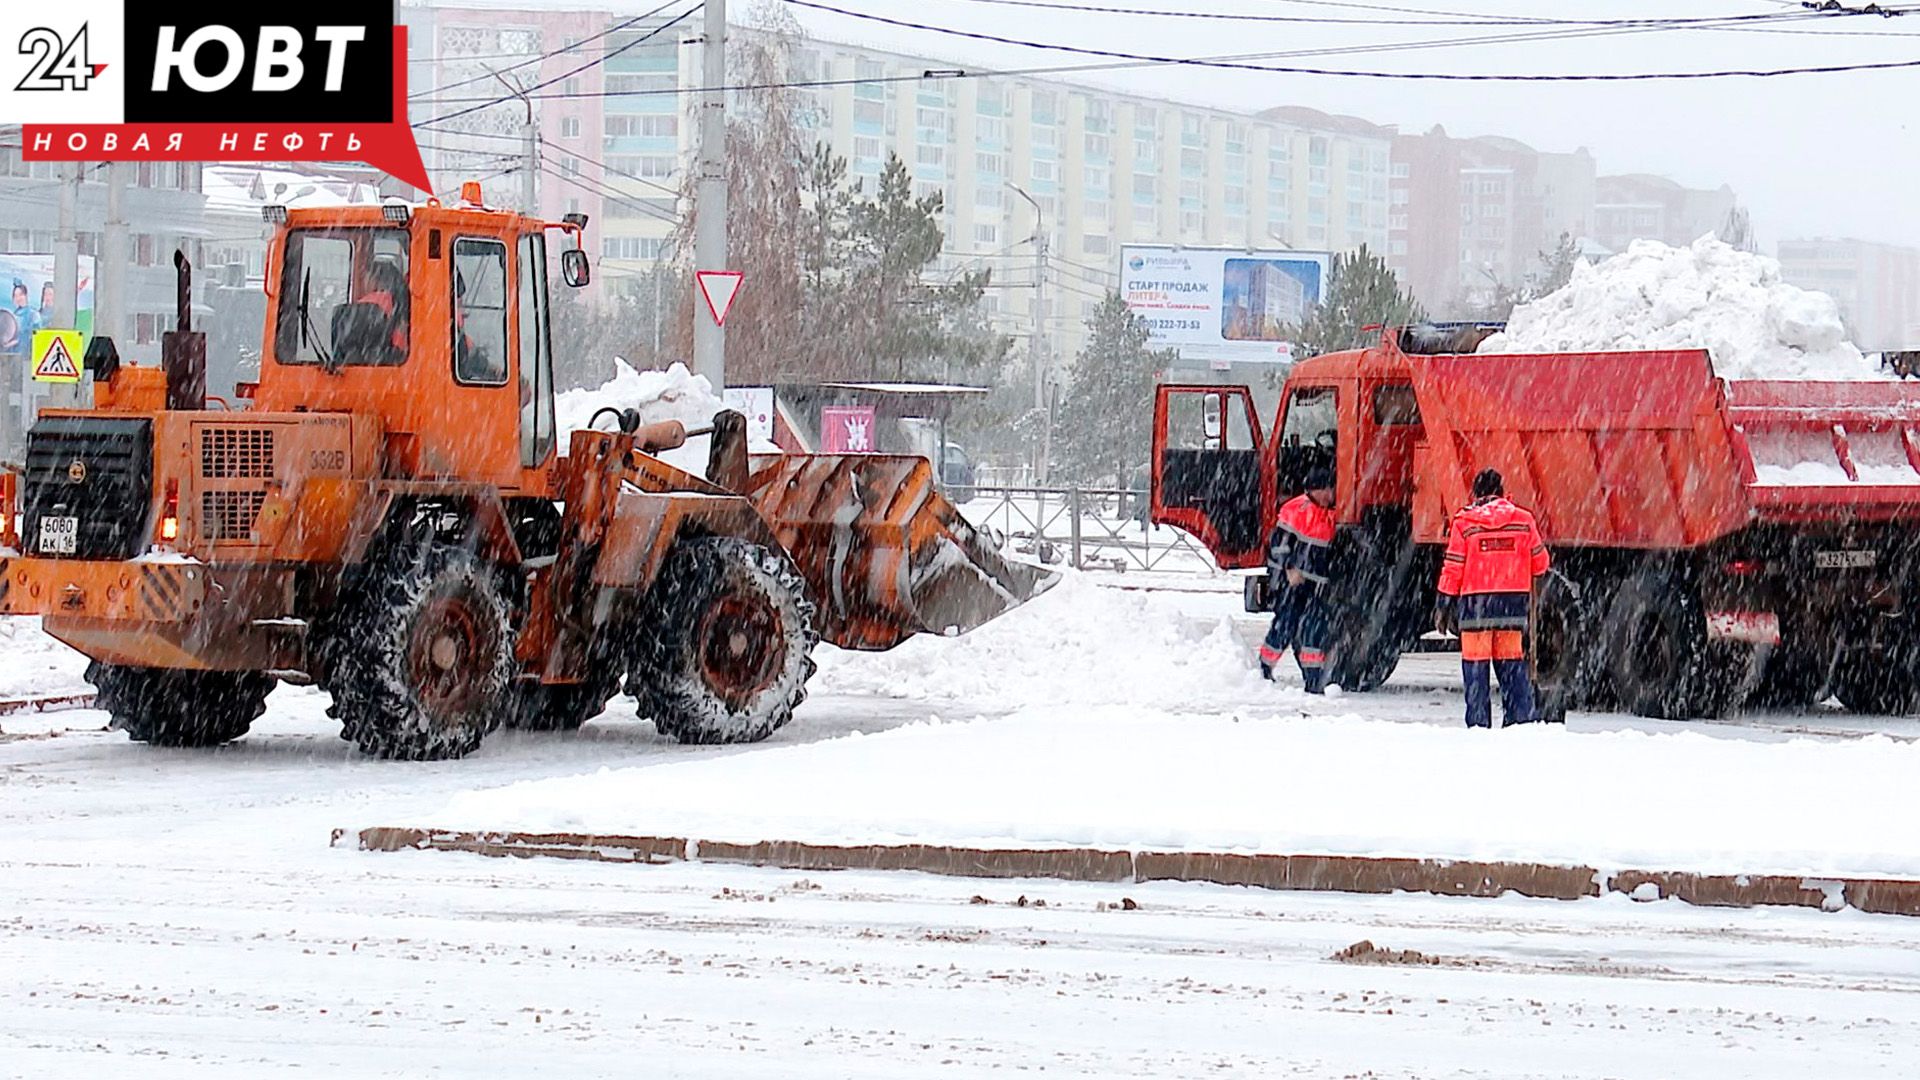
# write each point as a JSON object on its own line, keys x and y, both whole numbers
{"x": 27, "y": 304}
{"x": 1222, "y": 304}
{"x": 847, "y": 429}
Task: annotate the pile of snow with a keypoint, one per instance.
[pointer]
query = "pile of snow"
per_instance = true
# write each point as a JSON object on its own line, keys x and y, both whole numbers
{"x": 1707, "y": 295}
{"x": 1131, "y": 778}
{"x": 673, "y": 394}
{"x": 1077, "y": 642}
{"x": 37, "y": 664}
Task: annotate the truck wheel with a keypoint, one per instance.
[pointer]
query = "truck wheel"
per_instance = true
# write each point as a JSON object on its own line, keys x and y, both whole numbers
{"x": 424, "y": 674}
{"x": 561, "y": 706}
{"x": 1877, "y": 683}
{"x": 729, "y": 658}
{"x": 1367, "y": 672}
{"x": 1793, "y": 680}
{"x": 164, "y": 707}
{"x": 1658, "y": 657}
{"x": 1567, "y": 663}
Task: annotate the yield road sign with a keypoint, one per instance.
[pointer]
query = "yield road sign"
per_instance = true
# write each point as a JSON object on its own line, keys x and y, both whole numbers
{"x": 56, "y": 356}
{"x": 719, "y": 287}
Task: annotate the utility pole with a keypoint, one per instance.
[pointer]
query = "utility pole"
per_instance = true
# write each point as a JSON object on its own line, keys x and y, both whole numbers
{"x": 710, "y": 194}
{"x": 110, "y": 269}
{"x": 66, "y": 273}
{"x": 1037, "y": 344}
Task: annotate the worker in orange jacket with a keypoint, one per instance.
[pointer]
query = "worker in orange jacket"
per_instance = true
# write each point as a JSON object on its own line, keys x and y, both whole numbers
{"x": 1298, "y": 556}
{"x": 1494, "y": 552}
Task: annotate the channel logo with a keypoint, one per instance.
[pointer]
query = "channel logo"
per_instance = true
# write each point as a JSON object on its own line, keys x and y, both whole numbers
{"x": 104, "y": 80}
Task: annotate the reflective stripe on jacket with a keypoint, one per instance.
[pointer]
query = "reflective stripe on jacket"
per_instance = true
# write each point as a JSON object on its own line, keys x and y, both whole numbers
{"x": 1303, "y": 541}
{"x": 1493, "y": 546}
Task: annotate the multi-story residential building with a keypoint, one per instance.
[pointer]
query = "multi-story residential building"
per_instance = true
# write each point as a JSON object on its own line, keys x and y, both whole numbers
{"x": 1876, "y": 285}
{"x": 1639, "y": 206}
{"x": 163, "y": 204}
{"x": 610, "y": 138}
{"x": 1472, "y": 216}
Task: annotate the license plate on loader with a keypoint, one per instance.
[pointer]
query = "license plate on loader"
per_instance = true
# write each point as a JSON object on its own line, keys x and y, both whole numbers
{"x": 59, "y": 535}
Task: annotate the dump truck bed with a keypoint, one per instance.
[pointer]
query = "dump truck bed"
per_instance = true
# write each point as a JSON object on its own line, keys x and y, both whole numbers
{"x": 1651, "y": 450}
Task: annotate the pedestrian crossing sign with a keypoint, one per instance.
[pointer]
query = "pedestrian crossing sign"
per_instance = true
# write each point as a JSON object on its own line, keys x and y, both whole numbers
{"x": 56, "y": 356}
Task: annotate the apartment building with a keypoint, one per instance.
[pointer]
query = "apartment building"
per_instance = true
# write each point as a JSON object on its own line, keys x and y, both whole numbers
{"x": 1469, "y": 217}
{"x": 1638, "y": 206}
{"x": 1876, "y": 285}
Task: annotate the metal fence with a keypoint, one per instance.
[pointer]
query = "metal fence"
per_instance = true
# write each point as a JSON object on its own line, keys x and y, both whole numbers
{"x": 1088, "y": 528}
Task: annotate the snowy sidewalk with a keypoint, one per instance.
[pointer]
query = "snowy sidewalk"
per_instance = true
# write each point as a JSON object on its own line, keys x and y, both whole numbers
{"x": 1109, "y": 778}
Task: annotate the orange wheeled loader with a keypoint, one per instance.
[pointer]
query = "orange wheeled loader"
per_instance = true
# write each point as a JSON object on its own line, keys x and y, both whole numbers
{"x": 392, "y": 519}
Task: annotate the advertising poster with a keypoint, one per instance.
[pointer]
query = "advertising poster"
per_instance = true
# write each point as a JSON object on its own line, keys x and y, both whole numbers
{"x": 846, "y": 429}
{"x": 1222, "y": 304}
{"x": 28, "y": 302}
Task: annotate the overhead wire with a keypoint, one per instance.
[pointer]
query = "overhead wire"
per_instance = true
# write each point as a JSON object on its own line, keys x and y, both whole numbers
{"x": 1153, "y": 59}
{"x": 543, "y": 57}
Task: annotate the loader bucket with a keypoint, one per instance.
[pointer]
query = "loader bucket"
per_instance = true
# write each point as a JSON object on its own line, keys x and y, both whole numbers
{"x": 884, "y": 554}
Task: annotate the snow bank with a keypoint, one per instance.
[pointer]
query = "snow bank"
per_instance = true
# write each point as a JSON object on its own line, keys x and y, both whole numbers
{"x": 37, "y": 664}
{"x": 673, "y": 394}
{"x": 1125, "y": 777}
{"x": 1078, "y": 641}
{"x": 1707, "y": 295}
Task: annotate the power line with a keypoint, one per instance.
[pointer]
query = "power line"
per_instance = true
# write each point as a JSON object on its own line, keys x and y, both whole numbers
{"x": 675, "y": 192}
{"x": 1148, "y": 58}
{"x": 590, "y": 185}
{"x": 1462, "y": 19}
{"x": 571, "y": 72}
{"x": 608, "y": 32}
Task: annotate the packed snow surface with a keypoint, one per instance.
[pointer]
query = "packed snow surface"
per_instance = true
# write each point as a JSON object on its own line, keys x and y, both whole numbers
{"x": 1114, "y": 722}
{"x": 673, "y": 394}
{"x": 1706, "y": 295}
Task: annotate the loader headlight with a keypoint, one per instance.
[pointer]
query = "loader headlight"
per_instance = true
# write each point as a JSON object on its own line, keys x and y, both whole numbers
{"x": 273, "y": 214}
{"x": 397, "y": 213}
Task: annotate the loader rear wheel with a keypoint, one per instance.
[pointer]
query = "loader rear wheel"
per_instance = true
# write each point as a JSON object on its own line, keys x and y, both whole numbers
{"x": 729, "y": 659}
{"x": 164, "y": 707}
{"x": 425, "y": 673}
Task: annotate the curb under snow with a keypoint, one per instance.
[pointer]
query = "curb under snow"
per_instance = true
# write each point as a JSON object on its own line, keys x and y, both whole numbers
{"x": 1313, "y": 873}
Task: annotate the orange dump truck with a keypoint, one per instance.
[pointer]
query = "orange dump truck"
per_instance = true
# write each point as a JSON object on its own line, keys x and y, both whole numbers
{"x": 394, "y": 520}
{"x": 1712, "y": 538}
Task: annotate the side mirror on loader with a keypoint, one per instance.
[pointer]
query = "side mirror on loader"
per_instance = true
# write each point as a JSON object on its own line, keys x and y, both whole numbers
{"x": 574, "y": 268}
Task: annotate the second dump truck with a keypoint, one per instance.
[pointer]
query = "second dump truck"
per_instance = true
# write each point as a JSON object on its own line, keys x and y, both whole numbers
{"x": 1712, "y": 539}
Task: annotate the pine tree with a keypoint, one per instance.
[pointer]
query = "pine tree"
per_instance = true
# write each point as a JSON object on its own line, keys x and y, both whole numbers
{"x": 1556, "y": 267}
{"x": 1106, "y": 426}
{"x": 1361, "y": 292}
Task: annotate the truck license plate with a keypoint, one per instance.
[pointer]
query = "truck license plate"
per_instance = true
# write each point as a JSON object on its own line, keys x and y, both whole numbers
{"x": 59, "y": 535}
{"x": 1844, "y": 560}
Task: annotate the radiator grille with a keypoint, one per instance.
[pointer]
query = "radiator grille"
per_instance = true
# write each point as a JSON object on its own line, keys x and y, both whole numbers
{"x": 229, "y": 515}
{"x": 96, "y": 469}
{"x": 236, "y": 453}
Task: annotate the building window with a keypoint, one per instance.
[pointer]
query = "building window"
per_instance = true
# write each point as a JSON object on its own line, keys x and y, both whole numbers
{"x": 1317, "y": 150}
{"x": 1190, "y": 221}
{"x": 1046, "y": 170}
{"x": 1192, "y": 160}
{"x": 1096, "y": 179}
{"x": 1094, "y": 245}
{"x": 1146, "y": 216}
{"x": 1099, "y": 147}
{"x": 935, "y": 156}
{"x": 1146, "y": 188}
{"x": 990, "y": 163}
{"x": 989, "y": 198}
{"x": 1397, "y": 247}
{"x": 1402, "y": 170}
{"x": 1145, "y": 152}
{"x": 866, "y": 146}
{"x": 986, "y": 234}
{"x": 1045, "y": 108}
{"x": 870, "y": 112}
{"x": 569, "y": 127}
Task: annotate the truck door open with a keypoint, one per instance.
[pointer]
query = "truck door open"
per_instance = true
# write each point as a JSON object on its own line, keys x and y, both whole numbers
{"x": 1207, "y": 476}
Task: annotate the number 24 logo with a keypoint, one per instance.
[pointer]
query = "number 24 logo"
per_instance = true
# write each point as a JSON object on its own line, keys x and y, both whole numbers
{"x": 56, "y": 64}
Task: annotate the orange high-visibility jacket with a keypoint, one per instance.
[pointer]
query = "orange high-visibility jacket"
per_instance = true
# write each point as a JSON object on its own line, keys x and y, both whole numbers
{"x": 1303, "y": 540}
{"x": 1493, "y": 546}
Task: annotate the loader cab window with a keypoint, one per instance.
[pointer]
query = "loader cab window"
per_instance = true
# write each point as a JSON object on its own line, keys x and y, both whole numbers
{"x": 1309, "y": 436}
{"x": 480, "y": 311}
{"x": 344, "y": 299}
{"x": 536, "y": 354}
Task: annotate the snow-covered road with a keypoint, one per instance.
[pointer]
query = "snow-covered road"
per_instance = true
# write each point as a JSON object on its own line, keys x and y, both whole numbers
{"x": 180, "y": 914}
{"x": 172, "y": 913}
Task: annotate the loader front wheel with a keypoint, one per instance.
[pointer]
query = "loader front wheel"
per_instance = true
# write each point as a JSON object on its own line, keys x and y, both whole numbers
{"x": 730, "y": 655}
{"x": 163, "y": 707}
{"x": 425, "y": 673}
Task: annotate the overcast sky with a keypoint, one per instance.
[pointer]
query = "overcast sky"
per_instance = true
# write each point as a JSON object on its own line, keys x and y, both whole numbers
{"x": 1809, "y": 155}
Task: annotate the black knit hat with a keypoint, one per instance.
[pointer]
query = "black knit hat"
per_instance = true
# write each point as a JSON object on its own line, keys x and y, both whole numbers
{"x": 1488, "y": 483}
{"x": 1316, "y": 479}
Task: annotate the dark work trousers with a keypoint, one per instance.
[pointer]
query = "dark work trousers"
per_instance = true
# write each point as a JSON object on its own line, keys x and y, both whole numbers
{"x": 1300, "y": 623}
{"x": 1516, "y": 692}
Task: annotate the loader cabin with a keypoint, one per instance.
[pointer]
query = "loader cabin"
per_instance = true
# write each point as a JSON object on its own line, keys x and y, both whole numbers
{"x": 434, "y": 319}
{"x": 1221, "y": 475}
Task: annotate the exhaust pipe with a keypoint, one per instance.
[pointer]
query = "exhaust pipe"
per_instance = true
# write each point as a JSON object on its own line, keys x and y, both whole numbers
{"x": 183, "y": 350}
